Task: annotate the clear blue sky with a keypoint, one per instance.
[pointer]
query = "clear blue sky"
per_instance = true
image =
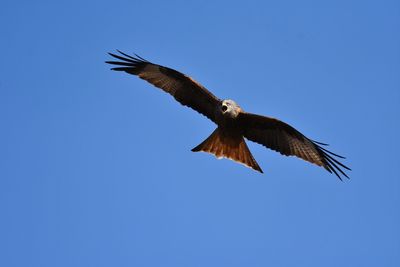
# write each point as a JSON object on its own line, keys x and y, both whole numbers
{"x": 96, "y": 167}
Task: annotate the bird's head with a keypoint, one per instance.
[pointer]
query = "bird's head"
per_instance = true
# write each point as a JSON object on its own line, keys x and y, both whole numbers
{"x": 230, "y": 109}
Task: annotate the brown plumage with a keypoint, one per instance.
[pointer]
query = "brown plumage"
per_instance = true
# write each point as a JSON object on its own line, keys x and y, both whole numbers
{"x": 227, "y": 141}
{"x": 225, "y": 144}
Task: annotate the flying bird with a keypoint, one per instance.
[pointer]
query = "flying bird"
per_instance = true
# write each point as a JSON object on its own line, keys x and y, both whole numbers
{"x": 233, "y": 123}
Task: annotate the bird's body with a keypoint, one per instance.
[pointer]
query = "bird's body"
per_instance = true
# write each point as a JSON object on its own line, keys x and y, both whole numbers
{"x": 227, "y": 140}
{"x": 234, "y": 124}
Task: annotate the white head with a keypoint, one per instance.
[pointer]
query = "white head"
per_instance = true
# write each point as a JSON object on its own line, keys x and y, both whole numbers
{"x": 230, "y": 108}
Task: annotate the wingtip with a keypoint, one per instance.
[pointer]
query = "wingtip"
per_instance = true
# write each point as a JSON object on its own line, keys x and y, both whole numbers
{"x": 111, "y": 54}
{"x": 119, "y": 51}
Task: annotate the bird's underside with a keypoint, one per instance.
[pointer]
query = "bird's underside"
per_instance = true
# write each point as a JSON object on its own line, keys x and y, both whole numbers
{"x": 227, "y": 141}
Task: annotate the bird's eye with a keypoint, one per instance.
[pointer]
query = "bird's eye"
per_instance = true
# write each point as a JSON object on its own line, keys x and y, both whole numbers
{"x": 224, "y": 108}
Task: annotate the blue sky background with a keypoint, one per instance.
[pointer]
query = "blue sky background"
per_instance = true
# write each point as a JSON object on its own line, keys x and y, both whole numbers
{"x": 96, "y": 168}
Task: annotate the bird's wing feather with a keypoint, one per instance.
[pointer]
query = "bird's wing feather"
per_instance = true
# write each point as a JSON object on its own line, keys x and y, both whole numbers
{"x": 183, "y": 88}
{"x": 285, "y": 139}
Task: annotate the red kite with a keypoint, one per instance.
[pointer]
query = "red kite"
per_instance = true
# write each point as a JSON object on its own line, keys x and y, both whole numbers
{"x": 234, "y": 124}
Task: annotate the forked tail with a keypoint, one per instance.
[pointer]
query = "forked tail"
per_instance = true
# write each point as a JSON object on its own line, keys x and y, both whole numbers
{"x": 225, "y": 145}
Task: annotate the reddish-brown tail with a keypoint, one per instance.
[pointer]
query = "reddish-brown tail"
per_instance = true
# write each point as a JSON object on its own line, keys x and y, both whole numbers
{"x": 233, "y": 147}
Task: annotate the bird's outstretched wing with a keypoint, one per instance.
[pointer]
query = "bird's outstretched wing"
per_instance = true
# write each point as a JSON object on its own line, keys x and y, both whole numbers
{"x": 283, "y": 138}
{"x": 183, "y": 88}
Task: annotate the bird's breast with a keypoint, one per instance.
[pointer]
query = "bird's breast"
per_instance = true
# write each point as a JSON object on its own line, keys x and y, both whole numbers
{"x": 227, "y": 122}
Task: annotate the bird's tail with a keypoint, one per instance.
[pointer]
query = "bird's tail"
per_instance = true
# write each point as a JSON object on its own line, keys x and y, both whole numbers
{"x": 224, "y": 145}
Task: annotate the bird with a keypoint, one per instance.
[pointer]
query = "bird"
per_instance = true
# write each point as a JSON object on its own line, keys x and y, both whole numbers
{"x": 233, "y": 123}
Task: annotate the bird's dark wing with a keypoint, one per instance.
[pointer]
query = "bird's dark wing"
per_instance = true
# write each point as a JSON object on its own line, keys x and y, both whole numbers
{"x": 283, "y": 138}
{"x": 183, "y": 88}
